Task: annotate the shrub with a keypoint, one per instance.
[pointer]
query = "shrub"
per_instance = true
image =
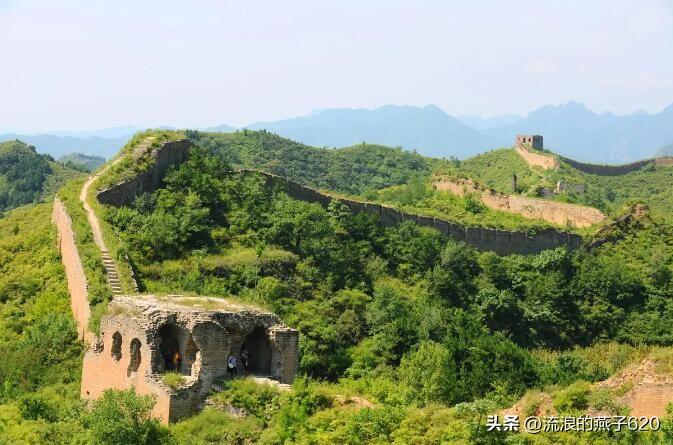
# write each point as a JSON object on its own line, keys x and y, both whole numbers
{"x": 573, "y": 398}
{"x": 123, "y": 417}
{"x": 173, "y": 379}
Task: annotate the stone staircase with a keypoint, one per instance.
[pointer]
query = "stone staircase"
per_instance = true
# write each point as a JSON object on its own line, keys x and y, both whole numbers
{"x": 111, "y": 272}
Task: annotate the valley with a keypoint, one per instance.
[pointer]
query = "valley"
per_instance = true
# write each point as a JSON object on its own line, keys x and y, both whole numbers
{"x": 403, "y": 328}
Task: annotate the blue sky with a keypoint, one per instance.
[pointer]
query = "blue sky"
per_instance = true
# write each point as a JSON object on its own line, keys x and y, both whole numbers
{"x": 89, "y": 64}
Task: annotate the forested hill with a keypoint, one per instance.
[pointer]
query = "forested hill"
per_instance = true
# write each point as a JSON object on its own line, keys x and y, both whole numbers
{"x": 26, "y": 176}
{"x": 352, "y": 170}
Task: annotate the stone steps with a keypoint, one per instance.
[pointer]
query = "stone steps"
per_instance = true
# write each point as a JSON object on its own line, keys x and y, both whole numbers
{"x": 111, "y": 272}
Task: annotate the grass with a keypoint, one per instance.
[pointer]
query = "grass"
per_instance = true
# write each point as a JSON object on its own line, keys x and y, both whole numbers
{"x": 206, "y": 303}
{"x": 613, "y": 356}
{"x": 242, "y": 256}
{"x": 495, "y": 168}
{"x": 173, "y": 379}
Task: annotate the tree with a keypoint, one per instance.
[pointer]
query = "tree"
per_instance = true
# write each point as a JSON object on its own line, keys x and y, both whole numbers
{"x": 123, "y": 418}
{"x": 430, "y": 371}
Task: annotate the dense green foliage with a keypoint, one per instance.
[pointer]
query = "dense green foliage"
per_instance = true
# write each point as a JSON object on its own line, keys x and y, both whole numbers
{"x": 41, "y": 357}
{"x": 400, "y": 307}
{"x": 406, "y": 336}
{"x": 122, "y": 417}
{"x": 26, "y": 176}
{"x": 351, "y": 170}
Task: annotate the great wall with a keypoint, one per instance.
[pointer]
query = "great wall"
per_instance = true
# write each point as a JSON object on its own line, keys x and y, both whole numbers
{"x": 500, "y": 241}
{"x": 560, "y": 213}
{"x": 142, "y": 337}
{"x": 617, "y": 170}
{"x": 534, "y": 157}
{"x": 140, "y": 332}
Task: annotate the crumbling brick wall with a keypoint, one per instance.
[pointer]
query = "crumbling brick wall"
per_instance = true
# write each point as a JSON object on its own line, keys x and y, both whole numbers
{"x": 77, "y": 283}
{"x": 502, "y": 242}
{"x": 215, "y": 333}
{"x": 168, "y": 155}
{"x": 555, "y": 212}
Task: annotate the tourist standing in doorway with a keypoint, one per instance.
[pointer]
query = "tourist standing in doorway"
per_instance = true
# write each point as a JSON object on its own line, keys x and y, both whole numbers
{"x": 245, "y": 358}
{"x": 232, "y": 364}
{"x": 176, "y": 361}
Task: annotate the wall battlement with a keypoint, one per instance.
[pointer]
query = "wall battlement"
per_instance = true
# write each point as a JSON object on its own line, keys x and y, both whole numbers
{"x": 168, "y": 155}
{"x": 617, "y": 170}
{"x": 551, "y": 211}
{"x": 502, "y": 242}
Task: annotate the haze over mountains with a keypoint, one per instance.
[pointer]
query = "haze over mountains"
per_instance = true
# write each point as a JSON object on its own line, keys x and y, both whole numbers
{"x": 570, "y": 129}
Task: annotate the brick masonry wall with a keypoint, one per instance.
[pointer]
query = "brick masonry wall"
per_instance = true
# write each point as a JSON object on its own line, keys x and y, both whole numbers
{"x": 616, "y": 170}
{"x": 551, "y": 211}
{"x": 170, "y": 154}
{"x": 503, "y": 242}
{"x": 77, "y": 284}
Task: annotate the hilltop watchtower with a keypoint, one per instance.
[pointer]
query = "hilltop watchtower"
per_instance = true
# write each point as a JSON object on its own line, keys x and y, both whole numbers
{"x": 529, "y": 141}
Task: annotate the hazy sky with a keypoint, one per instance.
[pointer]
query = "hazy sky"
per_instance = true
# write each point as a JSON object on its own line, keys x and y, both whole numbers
{"x": 71, "y": 64}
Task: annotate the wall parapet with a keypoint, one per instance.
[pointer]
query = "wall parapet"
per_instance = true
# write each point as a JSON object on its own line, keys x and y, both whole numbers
{"x": 617, "y": 170}
{"x": 168, "y": 155}
{"x": 533, "y": 208}
{"x": 74, "y": 271}
{"x": 502, "y": 242}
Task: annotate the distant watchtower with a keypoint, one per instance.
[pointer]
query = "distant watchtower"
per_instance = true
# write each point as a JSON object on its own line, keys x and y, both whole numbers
{"x": 529, "y": 141}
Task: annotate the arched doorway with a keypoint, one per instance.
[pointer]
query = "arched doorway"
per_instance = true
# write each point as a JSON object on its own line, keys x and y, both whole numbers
{"x": 258, "y": 349}
{"x": 178, "y": 349}
{"x": 134, "y": 363}
{"x": 116, "y": 350}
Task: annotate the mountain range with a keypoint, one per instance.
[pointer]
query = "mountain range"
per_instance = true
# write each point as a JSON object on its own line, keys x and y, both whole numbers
{"x": 570, "y": 129}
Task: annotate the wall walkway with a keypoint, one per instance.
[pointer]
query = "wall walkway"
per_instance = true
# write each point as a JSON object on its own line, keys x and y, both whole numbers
{"x": 74, "y": 271}
{"x": 502, "y": 242}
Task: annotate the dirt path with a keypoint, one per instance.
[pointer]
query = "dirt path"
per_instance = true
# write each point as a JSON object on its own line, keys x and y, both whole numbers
{"x": 109, "y": 265}
{"x": 546, "y": 162}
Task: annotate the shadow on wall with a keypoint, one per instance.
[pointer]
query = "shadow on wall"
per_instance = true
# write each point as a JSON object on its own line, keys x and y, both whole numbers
{"x": 258, "y": 350}
{"x": 178, "y": 350}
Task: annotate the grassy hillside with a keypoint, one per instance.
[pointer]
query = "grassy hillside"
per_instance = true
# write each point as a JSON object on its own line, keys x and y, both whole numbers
{"x": 41, "y": 357}
{"x": 424, "y": 336}
{"x": 609, "y": 194}
{"x": 26, "y": 176}
{"x": 406, "y": 336}
{"x": 82, "y": 162}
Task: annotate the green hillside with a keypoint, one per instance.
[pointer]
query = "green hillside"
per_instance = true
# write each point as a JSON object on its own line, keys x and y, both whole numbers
{"x": 353, "y": 170}
{"x": 82, "y": 162}
{"x": 26, "y": 176}
{"x": 401, "y": 317}
{"x": 41, "y": 356}
{"x": 406, "y": 336}
{"x": 610, "y": 194}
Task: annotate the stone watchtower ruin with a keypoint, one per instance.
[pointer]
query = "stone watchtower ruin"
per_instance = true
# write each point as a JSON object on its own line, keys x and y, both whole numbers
{"x": 144, "y": 337}
{"x": 529, "y": 141}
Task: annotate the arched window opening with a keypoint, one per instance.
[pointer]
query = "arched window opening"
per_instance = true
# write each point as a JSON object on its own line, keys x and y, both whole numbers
{"x": 116, "y": 350}
{"x": 134, "y": 363}
{"x": 256, "y": 352}
{"x": 178, "y": 349}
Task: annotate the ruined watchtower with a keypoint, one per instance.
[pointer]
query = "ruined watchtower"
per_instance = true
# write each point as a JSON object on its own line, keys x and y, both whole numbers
{"x": 144, "y": 337}
{"x": 529, "y": 141}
